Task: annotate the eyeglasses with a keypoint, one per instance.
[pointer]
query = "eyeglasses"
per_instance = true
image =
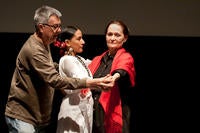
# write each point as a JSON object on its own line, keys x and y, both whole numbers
{"x": 54, "y": 27}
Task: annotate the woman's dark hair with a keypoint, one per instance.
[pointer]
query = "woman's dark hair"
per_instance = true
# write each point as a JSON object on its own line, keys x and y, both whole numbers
{"x": 122, "y": 24}
{"x": 67, "y": 33}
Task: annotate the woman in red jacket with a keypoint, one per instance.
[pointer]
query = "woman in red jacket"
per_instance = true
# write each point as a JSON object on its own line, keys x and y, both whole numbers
{"x": 111, "y": 112}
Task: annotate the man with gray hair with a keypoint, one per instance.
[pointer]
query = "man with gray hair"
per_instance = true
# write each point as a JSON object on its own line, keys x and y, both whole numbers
{"x": 29, "y": 104}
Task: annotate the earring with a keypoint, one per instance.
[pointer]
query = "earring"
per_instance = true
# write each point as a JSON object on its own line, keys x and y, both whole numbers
{"x": 70, "y": 51}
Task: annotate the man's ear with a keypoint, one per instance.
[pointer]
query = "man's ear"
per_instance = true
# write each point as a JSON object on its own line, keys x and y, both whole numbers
{"x": 40, "y": 27}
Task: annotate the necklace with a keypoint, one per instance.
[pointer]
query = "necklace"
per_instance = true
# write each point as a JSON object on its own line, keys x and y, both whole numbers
{"x": 81, "y": 61}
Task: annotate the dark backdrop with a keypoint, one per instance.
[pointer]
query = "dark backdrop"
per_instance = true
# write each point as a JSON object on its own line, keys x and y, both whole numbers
{"x": 166, "y": 79}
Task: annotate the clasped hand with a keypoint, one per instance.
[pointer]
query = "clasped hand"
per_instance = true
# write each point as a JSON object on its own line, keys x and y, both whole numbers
{"x": 106, "y": 83}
